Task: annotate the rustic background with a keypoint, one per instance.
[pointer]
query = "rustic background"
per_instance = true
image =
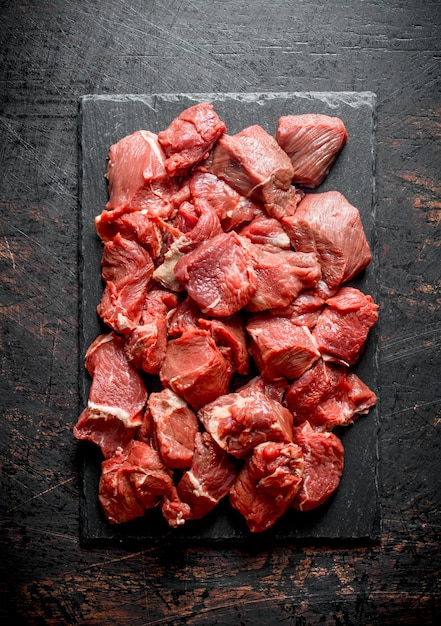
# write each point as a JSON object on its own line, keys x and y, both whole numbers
{"x": 54, "y": 52}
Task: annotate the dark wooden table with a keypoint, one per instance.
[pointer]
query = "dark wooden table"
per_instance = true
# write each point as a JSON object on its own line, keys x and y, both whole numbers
{"x": 54, "y": 52}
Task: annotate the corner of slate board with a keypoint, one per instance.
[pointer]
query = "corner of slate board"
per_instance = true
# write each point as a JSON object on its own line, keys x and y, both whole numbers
{"x": 352, "y": 513}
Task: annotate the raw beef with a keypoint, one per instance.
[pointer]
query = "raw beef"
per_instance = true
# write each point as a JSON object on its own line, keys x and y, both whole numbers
{"x": 190, "y": 136}
{"x": 146, "y": 344}
{"x": 116, "y": 399}
{"x": 137, "y": 175}
{"x": 176, "y": 426}
{"x": 267, "y": 483}
{"x": 230, "y": 337}
{"x": 218, "y": 275}
{"x": 281, "y": 348}
{"x": 240, "y": 421}
{"x": 342, "y": 328}
{"x": 267, "y": 232}
{"x": 324, "y": 460}
{"x": 326, "y": 223}
{"x": 255, "y": 166}
{"x": 281, "y": 276}
{"x": 132, "y": 480}
{"x": 328, "y": 395}
{"x": 274, "y": 389}
{"x": 313, "y": 142}
{"x": 126, "y": 269}
{"x": 209, "y": 479}
{"x": 303, "y": 310}
{"x": 195, "y": 369}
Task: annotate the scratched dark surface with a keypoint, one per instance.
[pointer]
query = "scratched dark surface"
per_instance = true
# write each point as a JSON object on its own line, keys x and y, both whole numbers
{"x": 52, "y": 54}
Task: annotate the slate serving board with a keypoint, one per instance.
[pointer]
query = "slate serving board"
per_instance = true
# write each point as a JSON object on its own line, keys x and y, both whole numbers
{"x": 352, "y": 513}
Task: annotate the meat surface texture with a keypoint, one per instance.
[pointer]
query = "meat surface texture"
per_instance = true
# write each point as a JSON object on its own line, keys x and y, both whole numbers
{"x": 327, "y": 224}
{"x": 323, "y": 466}
{"x": 267, "y": 483}
{"x": 313, "y": 142}
{"x": 117, "y": 396}
{"x": 229, "y": 326}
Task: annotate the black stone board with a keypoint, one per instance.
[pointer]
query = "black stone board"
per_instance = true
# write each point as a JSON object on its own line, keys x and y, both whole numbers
{"x": 352, "y": 513}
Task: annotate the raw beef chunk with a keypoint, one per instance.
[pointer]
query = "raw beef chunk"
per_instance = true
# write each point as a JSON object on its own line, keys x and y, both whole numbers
{"x": 146, "y": 345}
{"x": 126, "y": 269}
{"x": 281, "y": 276}
{"x": 239, "y": 421}
{"x": 255, "y": 166}
{"x": 218, "y": 275}
{"x": 281, "y": 348}
{"x": 304, "y": 310}
{"x": 175, "y": 511}
{"x": 267, "y": 232}
{"x": 190, "y": 136}
{"x": 328, "y": 395}
{"x": 209, "y": 479}
{"x": 267, "y": 484}
{"x": 313, "y": 142}
{"x": 326, "y": 223}
{"x": 342, "y": 328}
{"x": 274, "y": 389}
{"x": 176, "y": 426}
{"x": 132, "y": 480}
{"x": 195, "y": 369}
{"x": 324, "y": 460}
{"x": 230, "y": 337}
{"x": 231, "y": 208}
{"x": 137, "y": 175}
{"x": 116, "y": 399}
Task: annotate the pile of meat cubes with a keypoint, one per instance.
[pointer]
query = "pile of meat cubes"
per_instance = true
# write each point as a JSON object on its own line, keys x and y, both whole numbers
{"x": 230, "y": 328}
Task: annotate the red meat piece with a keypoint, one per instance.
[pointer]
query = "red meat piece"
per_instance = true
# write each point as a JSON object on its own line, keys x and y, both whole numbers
{"x": 146, "y": 345}
{"x": 255, "y": 166}
{"x": 303, "y": 310}
{"x": 137, "y": 175}
{"x": 195, "y": 369}
{"x": 324, "y": 460}
{"x": 184, "y": 317}
{"x": 175, "y": 511}
{"x": 343, "y": 326}
{"x": 239, "y": 421}
{"x": 274, "y": 389}
{"x": 209, "y": 478}
{"x": 313, "y": 142}
{"x": 231, "y": 208}
{"x": 281, "y": 276}
{"x": 281, "y": 348}
{"x": 267, "y": 484}
{"x": 328, "y": 395}
{"x": 132, "y": 480}
{"x": 116, "y": 399}
{"x": 175, "y": 426}
{"x": 327, "y": 224}
{"x": 190, "y": 137}
{"x": 127, "y": 269}
{"x": 230, "y": 337}
{"x": 218, "y": 275}
{"x": 267, "y": 232}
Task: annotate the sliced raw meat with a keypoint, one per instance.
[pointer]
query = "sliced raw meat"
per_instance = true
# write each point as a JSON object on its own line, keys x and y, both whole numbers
{"x": 209, "y": 478}
{"x": 313, "y": 142}
{"x": 304, "y": 310}
{"x": 230, "y": 337}
{"x": 132, "y": 480}
{"x": 255, "y": 166}
{"x": 274, "y": 389}
{"x": 324, "y": 460}
{"x": 239, "y": 421}
{"x": 267, "y": 232}
{"x": 198, "y": 222}
{"x": 281, "y": 276}
{"x": 185, "y": 317}
{"x": 280, "y": 348}
{"x": 135, "y": 225}
{"x": 231, "y": 208}
{"x": 147, "y": 343}
{"x": 218, "y": 275}
{"x": 117, "y": 396}
{"x": 326, "y": 223}
{"x": 267, "y": 484}
{"x": 175, "y": 425}
{"x": 137, "y": 175}
{"x": 127, "y": 269}
{"x": 195, "y": 369}
{"x": 190, "y": 136}
{"x": 342, "y": 328}
{"x": 328, "y": 395}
